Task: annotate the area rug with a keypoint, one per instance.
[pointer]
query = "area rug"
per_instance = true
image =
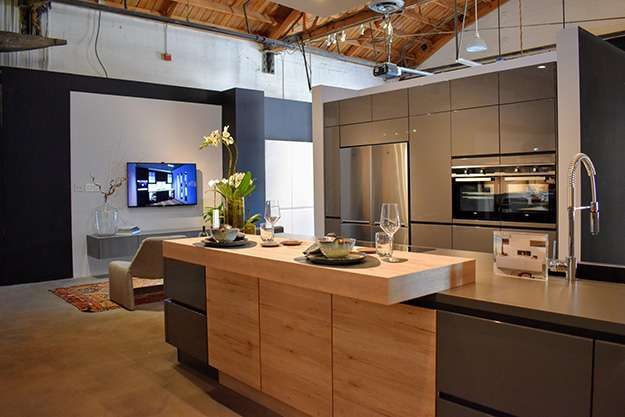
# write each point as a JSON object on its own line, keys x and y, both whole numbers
{"x": 94, "y": 297}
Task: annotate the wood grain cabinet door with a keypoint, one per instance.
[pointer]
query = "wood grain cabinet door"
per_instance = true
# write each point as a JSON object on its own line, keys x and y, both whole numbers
{"x": 233, "y": 325}
{"x": 609, "y": 380}
{"x": 355, "y": 110}
{"x": 430, "y": 168}
{"x": 528, "y": 127}
{"x": 384, "y": 359}
{"x": 296, "y": 347}
{"x": 390, "y": 105}
{"x": 515, "y": 370}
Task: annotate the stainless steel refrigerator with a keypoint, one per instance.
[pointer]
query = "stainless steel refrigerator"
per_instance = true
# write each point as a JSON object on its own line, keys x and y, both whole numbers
{"x": 370, "y": 176}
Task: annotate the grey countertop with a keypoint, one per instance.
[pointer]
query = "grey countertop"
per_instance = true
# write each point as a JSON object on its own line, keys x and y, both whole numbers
{"x": 591, "y": 306}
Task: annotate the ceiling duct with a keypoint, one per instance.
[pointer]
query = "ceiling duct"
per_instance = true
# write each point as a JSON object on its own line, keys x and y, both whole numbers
{"x": 386, "y": 7}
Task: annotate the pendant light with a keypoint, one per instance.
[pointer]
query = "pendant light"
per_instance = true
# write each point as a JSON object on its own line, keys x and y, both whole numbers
{"x": 477, "y": 44}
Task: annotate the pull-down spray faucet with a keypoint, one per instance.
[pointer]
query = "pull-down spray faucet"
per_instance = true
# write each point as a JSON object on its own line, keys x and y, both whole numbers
{"x": 571, "y": 262}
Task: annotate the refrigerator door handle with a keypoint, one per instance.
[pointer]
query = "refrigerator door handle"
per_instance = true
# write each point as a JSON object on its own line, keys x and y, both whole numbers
{"x": 347, "y": 221}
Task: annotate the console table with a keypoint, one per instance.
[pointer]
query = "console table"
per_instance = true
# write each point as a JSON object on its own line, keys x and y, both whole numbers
{"x": 124, "y": 246}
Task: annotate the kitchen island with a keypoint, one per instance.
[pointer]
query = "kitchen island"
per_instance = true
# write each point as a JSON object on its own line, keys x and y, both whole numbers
{"x": 312, "y": 340}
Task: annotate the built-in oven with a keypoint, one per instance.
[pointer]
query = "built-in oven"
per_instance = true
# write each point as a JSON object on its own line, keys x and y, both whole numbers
{"x": 528, "y": 194}
{"x": 505, "y": 193}
{"x": 474, "y": 193}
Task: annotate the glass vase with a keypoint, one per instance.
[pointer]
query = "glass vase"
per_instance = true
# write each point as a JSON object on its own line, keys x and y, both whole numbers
{"x": 106, "y": 220}
{"x": 234, "y": 212}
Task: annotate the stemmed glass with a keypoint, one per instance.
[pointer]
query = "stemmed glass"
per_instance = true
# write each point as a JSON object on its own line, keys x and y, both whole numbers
{"x": 390, "y": 222}
{"x": 272, "y": 212}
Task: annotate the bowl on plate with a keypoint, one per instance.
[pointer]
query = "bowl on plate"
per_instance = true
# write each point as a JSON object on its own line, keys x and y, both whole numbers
{"x": 338, "y": 247}
{"x": 225, "y": 233}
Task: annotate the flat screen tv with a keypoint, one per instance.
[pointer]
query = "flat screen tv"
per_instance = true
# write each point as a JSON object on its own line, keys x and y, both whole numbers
{"x": 161, "y": 184}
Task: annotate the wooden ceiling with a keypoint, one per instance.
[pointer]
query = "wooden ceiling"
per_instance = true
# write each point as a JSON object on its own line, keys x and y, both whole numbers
{"x": 422, "y": 28}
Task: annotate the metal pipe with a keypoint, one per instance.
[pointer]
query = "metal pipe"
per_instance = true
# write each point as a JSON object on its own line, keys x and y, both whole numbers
{"x": 265, "y": 41}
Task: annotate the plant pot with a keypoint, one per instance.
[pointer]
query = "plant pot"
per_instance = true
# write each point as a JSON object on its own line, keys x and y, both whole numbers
{"x": 106, "y": 220}
{"x": 234, "y": 212}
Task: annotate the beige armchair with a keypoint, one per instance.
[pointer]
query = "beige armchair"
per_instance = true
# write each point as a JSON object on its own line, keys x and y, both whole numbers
{"x": 147, "y": 263}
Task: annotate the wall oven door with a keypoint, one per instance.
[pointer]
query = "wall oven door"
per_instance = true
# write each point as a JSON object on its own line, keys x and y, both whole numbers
{"x": 528, "y": 194}
{"x": 474, "y": 194}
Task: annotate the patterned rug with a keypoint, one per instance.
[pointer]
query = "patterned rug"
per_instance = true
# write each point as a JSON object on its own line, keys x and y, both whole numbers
{"x": 94, "y": 298}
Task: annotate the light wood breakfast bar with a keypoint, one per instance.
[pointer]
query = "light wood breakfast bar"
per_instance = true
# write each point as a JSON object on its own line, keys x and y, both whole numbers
{"x": 309, "y": 340}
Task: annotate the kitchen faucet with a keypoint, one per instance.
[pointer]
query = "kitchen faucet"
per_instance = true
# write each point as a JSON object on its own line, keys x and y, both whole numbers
{"x": 570, "y": 263}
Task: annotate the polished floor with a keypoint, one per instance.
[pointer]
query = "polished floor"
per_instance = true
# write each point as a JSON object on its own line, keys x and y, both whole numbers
{"x": 57, "y": 361}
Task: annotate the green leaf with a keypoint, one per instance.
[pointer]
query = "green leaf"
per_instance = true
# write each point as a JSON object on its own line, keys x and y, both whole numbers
{"x": 253, "y": 219}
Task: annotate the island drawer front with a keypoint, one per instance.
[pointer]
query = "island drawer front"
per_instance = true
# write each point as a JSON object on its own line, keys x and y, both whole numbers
{"x": 609, "y": 379}
{"x": 513, "y": 369}
{"x": 186, "y": 330}
{"x": 446, "y": 408}
{"x": 185, "y": 283}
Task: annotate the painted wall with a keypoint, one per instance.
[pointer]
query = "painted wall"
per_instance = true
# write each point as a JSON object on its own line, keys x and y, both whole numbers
{"x": 106, "y": 132}
{"x": 131, "y": 48}
{"x": 527, "y": 24}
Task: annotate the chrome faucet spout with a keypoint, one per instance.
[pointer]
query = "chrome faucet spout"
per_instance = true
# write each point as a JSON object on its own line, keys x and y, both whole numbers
{"x": 593, "y": 207}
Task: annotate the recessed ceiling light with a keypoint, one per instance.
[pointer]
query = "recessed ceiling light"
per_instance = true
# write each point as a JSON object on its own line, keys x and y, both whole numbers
{"x": 542, "y": 67}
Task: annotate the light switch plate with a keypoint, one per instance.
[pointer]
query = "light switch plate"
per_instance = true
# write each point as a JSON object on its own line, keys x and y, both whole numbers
{"x": 91, "y": 188}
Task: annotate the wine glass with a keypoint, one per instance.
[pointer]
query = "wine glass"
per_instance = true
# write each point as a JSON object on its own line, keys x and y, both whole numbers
{"x": 390, "y": 222}
{"x": 272, "y": 212}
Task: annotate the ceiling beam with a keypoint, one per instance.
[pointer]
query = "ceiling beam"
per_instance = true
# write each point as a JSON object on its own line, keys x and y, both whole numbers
{"x": 343, "y": 22}
{"x": 286, "y": 25}
{"x": 230, "y": 10}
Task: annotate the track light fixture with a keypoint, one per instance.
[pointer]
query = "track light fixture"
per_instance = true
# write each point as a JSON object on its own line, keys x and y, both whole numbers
{"x": 476, "y": 44}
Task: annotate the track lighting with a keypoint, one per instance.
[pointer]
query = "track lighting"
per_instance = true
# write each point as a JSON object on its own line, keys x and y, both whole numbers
{"x": 477, "y": 44}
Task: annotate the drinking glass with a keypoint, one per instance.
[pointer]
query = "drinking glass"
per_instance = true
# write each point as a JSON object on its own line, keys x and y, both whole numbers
{"x": 266, "y": 232}
{"x": 272, "y": 212}
{"x": 383, "y": 245}
{"x": 390, "y": 222}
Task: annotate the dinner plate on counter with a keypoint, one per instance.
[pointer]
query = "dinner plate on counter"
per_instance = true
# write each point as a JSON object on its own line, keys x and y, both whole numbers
{"x": 209, "y": 243}
{"x": 351, "y": 259}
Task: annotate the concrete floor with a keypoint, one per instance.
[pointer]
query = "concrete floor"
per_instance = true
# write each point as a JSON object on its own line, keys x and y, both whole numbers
{"x": 57, "y": 361}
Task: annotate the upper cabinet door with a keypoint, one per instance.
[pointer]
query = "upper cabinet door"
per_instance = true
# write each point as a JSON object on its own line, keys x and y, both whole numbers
{"x": 431, "y": 98}
{"x": 530, "y": 83}
{"x": 528, "y": 127}
{"x": 332, "y": 174}
{"x": 374, "y": 133}
{"x": 331, "y": 114}
{"x": 475, "y": 131}
{"x": 609, "y": 379}
{"x": 481, "y": 90}
{"x": 390, "y": 105}
{"x": 355, "y": 110}
{"x": 430, "y": 168}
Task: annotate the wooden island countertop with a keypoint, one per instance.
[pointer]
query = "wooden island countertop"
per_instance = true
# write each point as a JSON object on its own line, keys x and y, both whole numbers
{"x": 374, "y": 281}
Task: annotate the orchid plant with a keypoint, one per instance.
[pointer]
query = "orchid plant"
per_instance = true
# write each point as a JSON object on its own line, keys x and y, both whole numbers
{"x": 238, "y": 185}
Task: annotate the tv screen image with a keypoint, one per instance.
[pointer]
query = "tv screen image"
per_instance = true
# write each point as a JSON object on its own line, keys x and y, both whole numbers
{"x": 161, "y": 184}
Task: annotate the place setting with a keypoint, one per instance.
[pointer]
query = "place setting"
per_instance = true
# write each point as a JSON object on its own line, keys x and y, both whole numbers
{"x": 267, "y": 234}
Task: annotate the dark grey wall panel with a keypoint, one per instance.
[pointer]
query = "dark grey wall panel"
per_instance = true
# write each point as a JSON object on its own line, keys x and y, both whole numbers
{"x": 288, "y": 120}
{"x": 244, "y": 111}
{"x": 35, "y": 160}
{"x": 513, "y": 369}
{"x": 602, "y": 111}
